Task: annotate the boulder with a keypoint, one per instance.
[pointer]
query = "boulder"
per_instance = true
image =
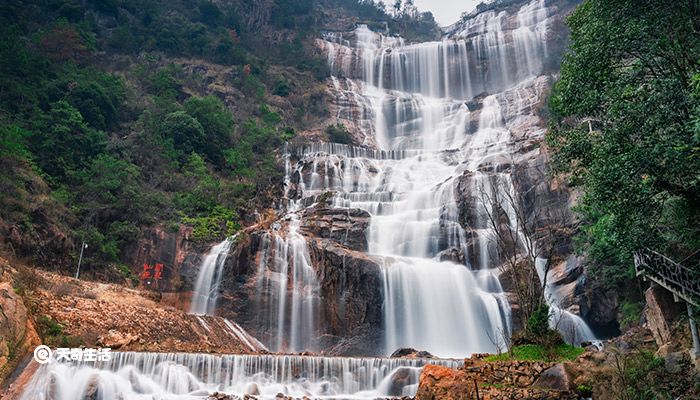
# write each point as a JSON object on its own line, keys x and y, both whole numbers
{"x": 674, "y": 362}
{"x": 222, "y": 396}
{"x": 555, "y": 378}
{"x": 411, "y": 353}
{"x": 401, "y": 378}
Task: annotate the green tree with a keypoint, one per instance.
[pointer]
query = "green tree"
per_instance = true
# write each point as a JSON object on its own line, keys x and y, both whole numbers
{"x": 184, "y": 132}
{"x": 216, "y": 121}
{"x": 14, "y": 143}
{"x": 110, "y": 203}
{"x": 63, "y": 142}
{"x": 97, "y": 95}
{"x": 204, "y": 189}
{"x": 625, "y": 128}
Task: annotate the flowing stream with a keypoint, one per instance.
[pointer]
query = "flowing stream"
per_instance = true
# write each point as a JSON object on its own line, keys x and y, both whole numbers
{"x": 572, "y": 327}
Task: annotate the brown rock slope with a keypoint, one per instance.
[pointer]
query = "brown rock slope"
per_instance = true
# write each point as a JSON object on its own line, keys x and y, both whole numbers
{"x": 72, "y": 312}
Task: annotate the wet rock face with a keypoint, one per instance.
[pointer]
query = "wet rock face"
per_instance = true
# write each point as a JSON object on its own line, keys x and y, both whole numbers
{"x": 349, "y": 296}
{"x": 347, "y": 227}
{"x": 351, "y": 299}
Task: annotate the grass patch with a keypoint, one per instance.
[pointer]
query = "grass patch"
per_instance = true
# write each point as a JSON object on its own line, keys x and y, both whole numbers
{"x": 532, "y": 352}
{"x": 53, "y": 334}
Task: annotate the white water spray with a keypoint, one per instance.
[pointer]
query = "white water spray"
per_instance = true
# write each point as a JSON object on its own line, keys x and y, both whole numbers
{"x": 206, "y": 289}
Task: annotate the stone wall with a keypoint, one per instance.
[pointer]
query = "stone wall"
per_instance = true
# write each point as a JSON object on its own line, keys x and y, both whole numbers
{"x": 501, "y": 380}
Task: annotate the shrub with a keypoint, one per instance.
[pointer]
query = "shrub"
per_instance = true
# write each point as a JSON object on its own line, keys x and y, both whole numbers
{"x": 282, "y": 88}
{"x": 66, "y": 142}
{"x": 631, "y": 314}
{"x": 216, "y": 121}
{"x": 538, "y": 323}
{"x": 184, "y": 131}
{"x": 584, "y": 390}
{"x": 48, "y": 327}
{"x": 53, "y": 333}
{"x": 14, "y": 143}
{"x": 26, "y": 280}
{"x": 221, "y": 222}
{"x": 338, "y": 134}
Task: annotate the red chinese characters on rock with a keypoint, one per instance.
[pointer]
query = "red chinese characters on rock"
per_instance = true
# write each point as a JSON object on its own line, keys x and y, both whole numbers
{"x": 152, "y": 273}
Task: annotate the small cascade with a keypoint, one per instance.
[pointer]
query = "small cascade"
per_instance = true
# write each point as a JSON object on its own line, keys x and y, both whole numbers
{"x": 574, "y": 329}
{"x": 206, "y": 289}
{"x": 288, "y": 288}
{"x": 426, "y": 299}
{"x": 206, "y": 293}
{"x": 132, "y": 376}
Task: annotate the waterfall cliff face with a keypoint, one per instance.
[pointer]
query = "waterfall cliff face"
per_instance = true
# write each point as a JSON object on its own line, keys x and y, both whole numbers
{"x": 387, "y": 242}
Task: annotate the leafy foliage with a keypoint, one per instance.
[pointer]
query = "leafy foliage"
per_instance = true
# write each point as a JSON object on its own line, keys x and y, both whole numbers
{"x": 338, "y": 134}
{"x": 625, "y": 129}
{"x": 66, "y": 142}
{"x": 105, "y": 129}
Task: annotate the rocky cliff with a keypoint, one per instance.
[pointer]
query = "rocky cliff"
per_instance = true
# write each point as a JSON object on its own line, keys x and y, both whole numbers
{"x": 18, "y": 335}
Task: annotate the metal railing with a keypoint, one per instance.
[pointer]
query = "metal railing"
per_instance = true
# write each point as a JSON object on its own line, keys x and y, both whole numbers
{"x": 681, "y": 280}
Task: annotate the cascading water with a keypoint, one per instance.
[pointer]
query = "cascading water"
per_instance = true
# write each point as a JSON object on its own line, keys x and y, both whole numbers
{"x": 287, "y": 286}
{"x": 426, "y": 113}
{"x": 206, "y": 292}
{"x": 132, "y": 376}
{"x": 206, "y": 289}
{"x": 572, "y": 327}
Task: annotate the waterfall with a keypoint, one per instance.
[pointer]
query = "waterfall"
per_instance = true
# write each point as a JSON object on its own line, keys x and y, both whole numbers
{"x": 287, "y": 286}
{"x": 435, "y": 112}
{"x": 206, "y": 289}
{"x": 574, "y": 329}
{"x": 132, "y": 376}
{"x": 206, "y": 292}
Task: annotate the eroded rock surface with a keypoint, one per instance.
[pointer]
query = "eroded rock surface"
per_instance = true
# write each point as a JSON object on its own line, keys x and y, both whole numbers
{"x": 126, "y": 319}
{"x": 17, "y": 333}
